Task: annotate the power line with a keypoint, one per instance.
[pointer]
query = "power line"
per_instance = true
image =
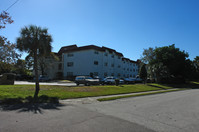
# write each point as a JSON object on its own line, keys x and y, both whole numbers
{"x": 12, "y": 5}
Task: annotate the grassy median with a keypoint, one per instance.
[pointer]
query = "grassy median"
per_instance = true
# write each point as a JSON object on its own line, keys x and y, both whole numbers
{"x": 63, "y": 92}
{"x": 137, "y": 95}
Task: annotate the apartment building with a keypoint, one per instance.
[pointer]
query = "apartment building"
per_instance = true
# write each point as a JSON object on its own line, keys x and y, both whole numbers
{"x": 91, "y": 59}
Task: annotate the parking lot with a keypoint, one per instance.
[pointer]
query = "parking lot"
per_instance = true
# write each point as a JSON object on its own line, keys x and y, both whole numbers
{"x": 44, "y": 83}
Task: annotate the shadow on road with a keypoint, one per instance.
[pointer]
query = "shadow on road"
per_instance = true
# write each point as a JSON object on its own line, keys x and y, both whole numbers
{"x": 28, "y": 105}
{"x": 35, "y": 108}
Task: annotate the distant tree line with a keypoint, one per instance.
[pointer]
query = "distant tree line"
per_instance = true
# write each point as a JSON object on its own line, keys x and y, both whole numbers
{"x": 169, "y": 64}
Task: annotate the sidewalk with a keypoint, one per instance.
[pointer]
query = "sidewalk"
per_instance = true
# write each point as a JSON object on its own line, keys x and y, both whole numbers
{"x": 90, "y": 100}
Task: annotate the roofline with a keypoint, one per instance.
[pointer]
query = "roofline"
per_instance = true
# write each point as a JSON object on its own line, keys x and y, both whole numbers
{"x": 74, "y": 47}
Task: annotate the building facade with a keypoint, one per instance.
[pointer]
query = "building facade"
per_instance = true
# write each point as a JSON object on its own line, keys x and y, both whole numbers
{"x": 91, "y": 59}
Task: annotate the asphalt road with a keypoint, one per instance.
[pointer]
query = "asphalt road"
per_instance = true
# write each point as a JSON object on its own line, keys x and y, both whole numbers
{"x": 168, "y": 112}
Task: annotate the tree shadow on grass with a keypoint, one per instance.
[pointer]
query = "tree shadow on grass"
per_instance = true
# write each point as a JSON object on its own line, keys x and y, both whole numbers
{"x": 27, "y": 104}
{"x": 156, "y": 86}
{"x": 189, "y": 85}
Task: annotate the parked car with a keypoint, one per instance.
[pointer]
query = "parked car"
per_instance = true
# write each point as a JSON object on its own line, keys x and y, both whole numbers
{"x": 23, "y": 77}
{"x": 86, "y": 80}
{"x": 121, "y": 81}
{"x": 100, "y": 79}
{"x": 129, "y": 80}
{"x": 108, "y": 80}
{"x": 43, "y": 78}
{"x": 138, "y": 80}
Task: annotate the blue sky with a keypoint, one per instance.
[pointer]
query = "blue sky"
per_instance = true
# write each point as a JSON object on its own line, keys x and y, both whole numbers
{"x": 127, "y": 26}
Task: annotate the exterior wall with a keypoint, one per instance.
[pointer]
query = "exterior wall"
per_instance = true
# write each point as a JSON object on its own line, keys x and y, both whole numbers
{"x": 83, "y": 63}
{"x": 109, "y": 64}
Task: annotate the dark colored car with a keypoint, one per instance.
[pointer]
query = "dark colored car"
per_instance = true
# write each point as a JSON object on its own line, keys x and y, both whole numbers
{"x": 86, "y": 80}
{"x": 138, "y": 80}
{"x": 43, "y": 78}
{"x": 23, "y": 77}
{"x": 129, "y": 80}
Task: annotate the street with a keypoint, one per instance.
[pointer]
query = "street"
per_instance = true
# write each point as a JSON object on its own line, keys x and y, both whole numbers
{"x": 168, "y": 112}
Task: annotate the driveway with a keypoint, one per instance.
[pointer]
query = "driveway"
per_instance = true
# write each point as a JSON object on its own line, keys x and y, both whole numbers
{"x": 44, "y": 83}
{"x": 168, "y": 112}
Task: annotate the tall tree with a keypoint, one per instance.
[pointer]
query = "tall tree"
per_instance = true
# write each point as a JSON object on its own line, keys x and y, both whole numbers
{"x": 8, "y": 52}
{"x": 168, "y": 63}
{"x": 5, "y": 19}
{"x": 196, "y": 63}
{"x": 143, "y": 73}
{"x": 147, "y": 56}
{"x": 35, "y": 41}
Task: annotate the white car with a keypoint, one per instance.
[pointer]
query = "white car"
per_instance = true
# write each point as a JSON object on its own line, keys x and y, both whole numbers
{"x": 109, "y": 80}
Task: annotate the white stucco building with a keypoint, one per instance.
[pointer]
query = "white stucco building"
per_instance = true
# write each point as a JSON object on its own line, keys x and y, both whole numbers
{"x": 91, "y": 59}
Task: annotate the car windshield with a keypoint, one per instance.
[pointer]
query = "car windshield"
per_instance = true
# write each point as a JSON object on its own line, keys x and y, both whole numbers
{"x": 89, "y": 78}
{"x": 79, "y": 78}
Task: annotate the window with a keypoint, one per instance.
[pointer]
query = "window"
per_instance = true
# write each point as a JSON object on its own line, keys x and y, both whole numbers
{"x": 60, "y": 58}
{"x": 124, "y": 69}
{"x": 130, "y": 69}
{"x": 118, "y": 57}
{"x": 95, "y": 73}
{"x": 118, "y": 74}
{"x": 127, "y": 69}
{"x": 70, "y": 64}
{"x": 133, "y": 76}
{"x": 130, "y": 75}
{"x": 105, "y": 54}
{"x": 119, "y": 66}
{"x": 95, "y": 62}
{"x": 105, "y": 64}
{"x": 112, "y": 74}
{"x": 69, "y": 74}
{"x": 96, "y": 52}
{"x": 112, "y": 56}
{"x": 70, "y": 55}
{"x": 112, "y": 65}
{"x": 59, "y": 66}
{"x": 105, "y": 74}
{"x": 133, "y": 70}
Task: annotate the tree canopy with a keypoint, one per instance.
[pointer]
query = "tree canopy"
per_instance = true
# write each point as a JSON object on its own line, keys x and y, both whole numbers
{"x": 167, "y": 63}
{"x": 143, "y": 73}
{"x": 8, "y": 52}
{"x": 36, "y": 41}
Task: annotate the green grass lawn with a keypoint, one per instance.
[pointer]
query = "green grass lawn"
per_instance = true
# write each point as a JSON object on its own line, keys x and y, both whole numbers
{"x": 63, "y": 92}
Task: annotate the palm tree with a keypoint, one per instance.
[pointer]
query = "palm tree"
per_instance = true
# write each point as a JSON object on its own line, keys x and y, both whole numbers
{"x": 36, "y": 42}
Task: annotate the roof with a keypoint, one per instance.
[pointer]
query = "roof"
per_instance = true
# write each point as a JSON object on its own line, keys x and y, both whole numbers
{"x": 73, "y": 48}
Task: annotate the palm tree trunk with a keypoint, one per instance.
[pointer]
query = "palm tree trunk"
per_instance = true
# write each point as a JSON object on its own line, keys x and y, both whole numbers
{"x": 36, "y": 76}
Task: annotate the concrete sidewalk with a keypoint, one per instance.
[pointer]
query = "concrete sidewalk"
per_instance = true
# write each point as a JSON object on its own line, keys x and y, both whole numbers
{"x": 90, "y": 100}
